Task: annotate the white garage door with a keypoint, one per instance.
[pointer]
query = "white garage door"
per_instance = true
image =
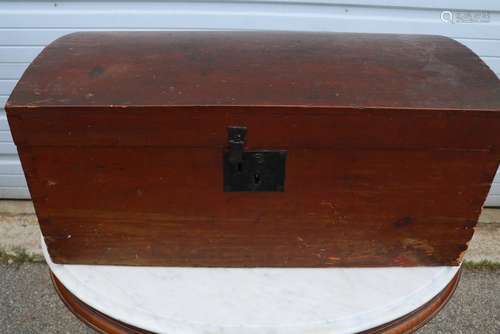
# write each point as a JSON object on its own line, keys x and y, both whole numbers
{"x": 26, "y": 27}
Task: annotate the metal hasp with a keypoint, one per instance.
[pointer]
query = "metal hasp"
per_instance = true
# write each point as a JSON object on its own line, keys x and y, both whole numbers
{"x": 259, "y": 170}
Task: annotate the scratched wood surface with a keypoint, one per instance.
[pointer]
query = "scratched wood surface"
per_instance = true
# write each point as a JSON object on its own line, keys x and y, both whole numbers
{"x": 392, "y": 141}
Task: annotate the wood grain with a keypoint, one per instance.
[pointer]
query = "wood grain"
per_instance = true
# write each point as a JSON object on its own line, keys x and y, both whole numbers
{"x": 159, "y": 206}
{"x": 268, "y": 127}
{"x": 392, "y": 146}
{"x": 257, "y": 68}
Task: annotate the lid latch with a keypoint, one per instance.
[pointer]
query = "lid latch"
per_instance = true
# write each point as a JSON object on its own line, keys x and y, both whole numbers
{"x": 255, "y": 170}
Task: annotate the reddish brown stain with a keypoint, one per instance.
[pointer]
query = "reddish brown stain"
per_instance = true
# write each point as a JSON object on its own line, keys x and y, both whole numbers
{"x": 255, "y": 68}
{"x": 392, "y": 145}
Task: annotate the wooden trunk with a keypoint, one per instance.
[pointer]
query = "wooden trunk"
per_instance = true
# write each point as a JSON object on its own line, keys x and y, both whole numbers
{"x": 389, "y": 145}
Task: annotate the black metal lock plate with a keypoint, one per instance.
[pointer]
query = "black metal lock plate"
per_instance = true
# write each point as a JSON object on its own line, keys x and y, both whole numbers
{"x": 260, "y": 170}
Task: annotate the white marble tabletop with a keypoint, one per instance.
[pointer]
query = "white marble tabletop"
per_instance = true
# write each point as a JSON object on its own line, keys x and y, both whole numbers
{"x": 248, "y": 301}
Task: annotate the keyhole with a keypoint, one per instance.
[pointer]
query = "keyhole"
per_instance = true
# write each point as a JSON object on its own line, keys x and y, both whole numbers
{"x": 256, "y": 178}
{"x": 240, "y": 167}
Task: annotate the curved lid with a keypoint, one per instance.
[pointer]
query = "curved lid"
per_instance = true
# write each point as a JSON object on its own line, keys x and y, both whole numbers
{"x": 117, "y": 69}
